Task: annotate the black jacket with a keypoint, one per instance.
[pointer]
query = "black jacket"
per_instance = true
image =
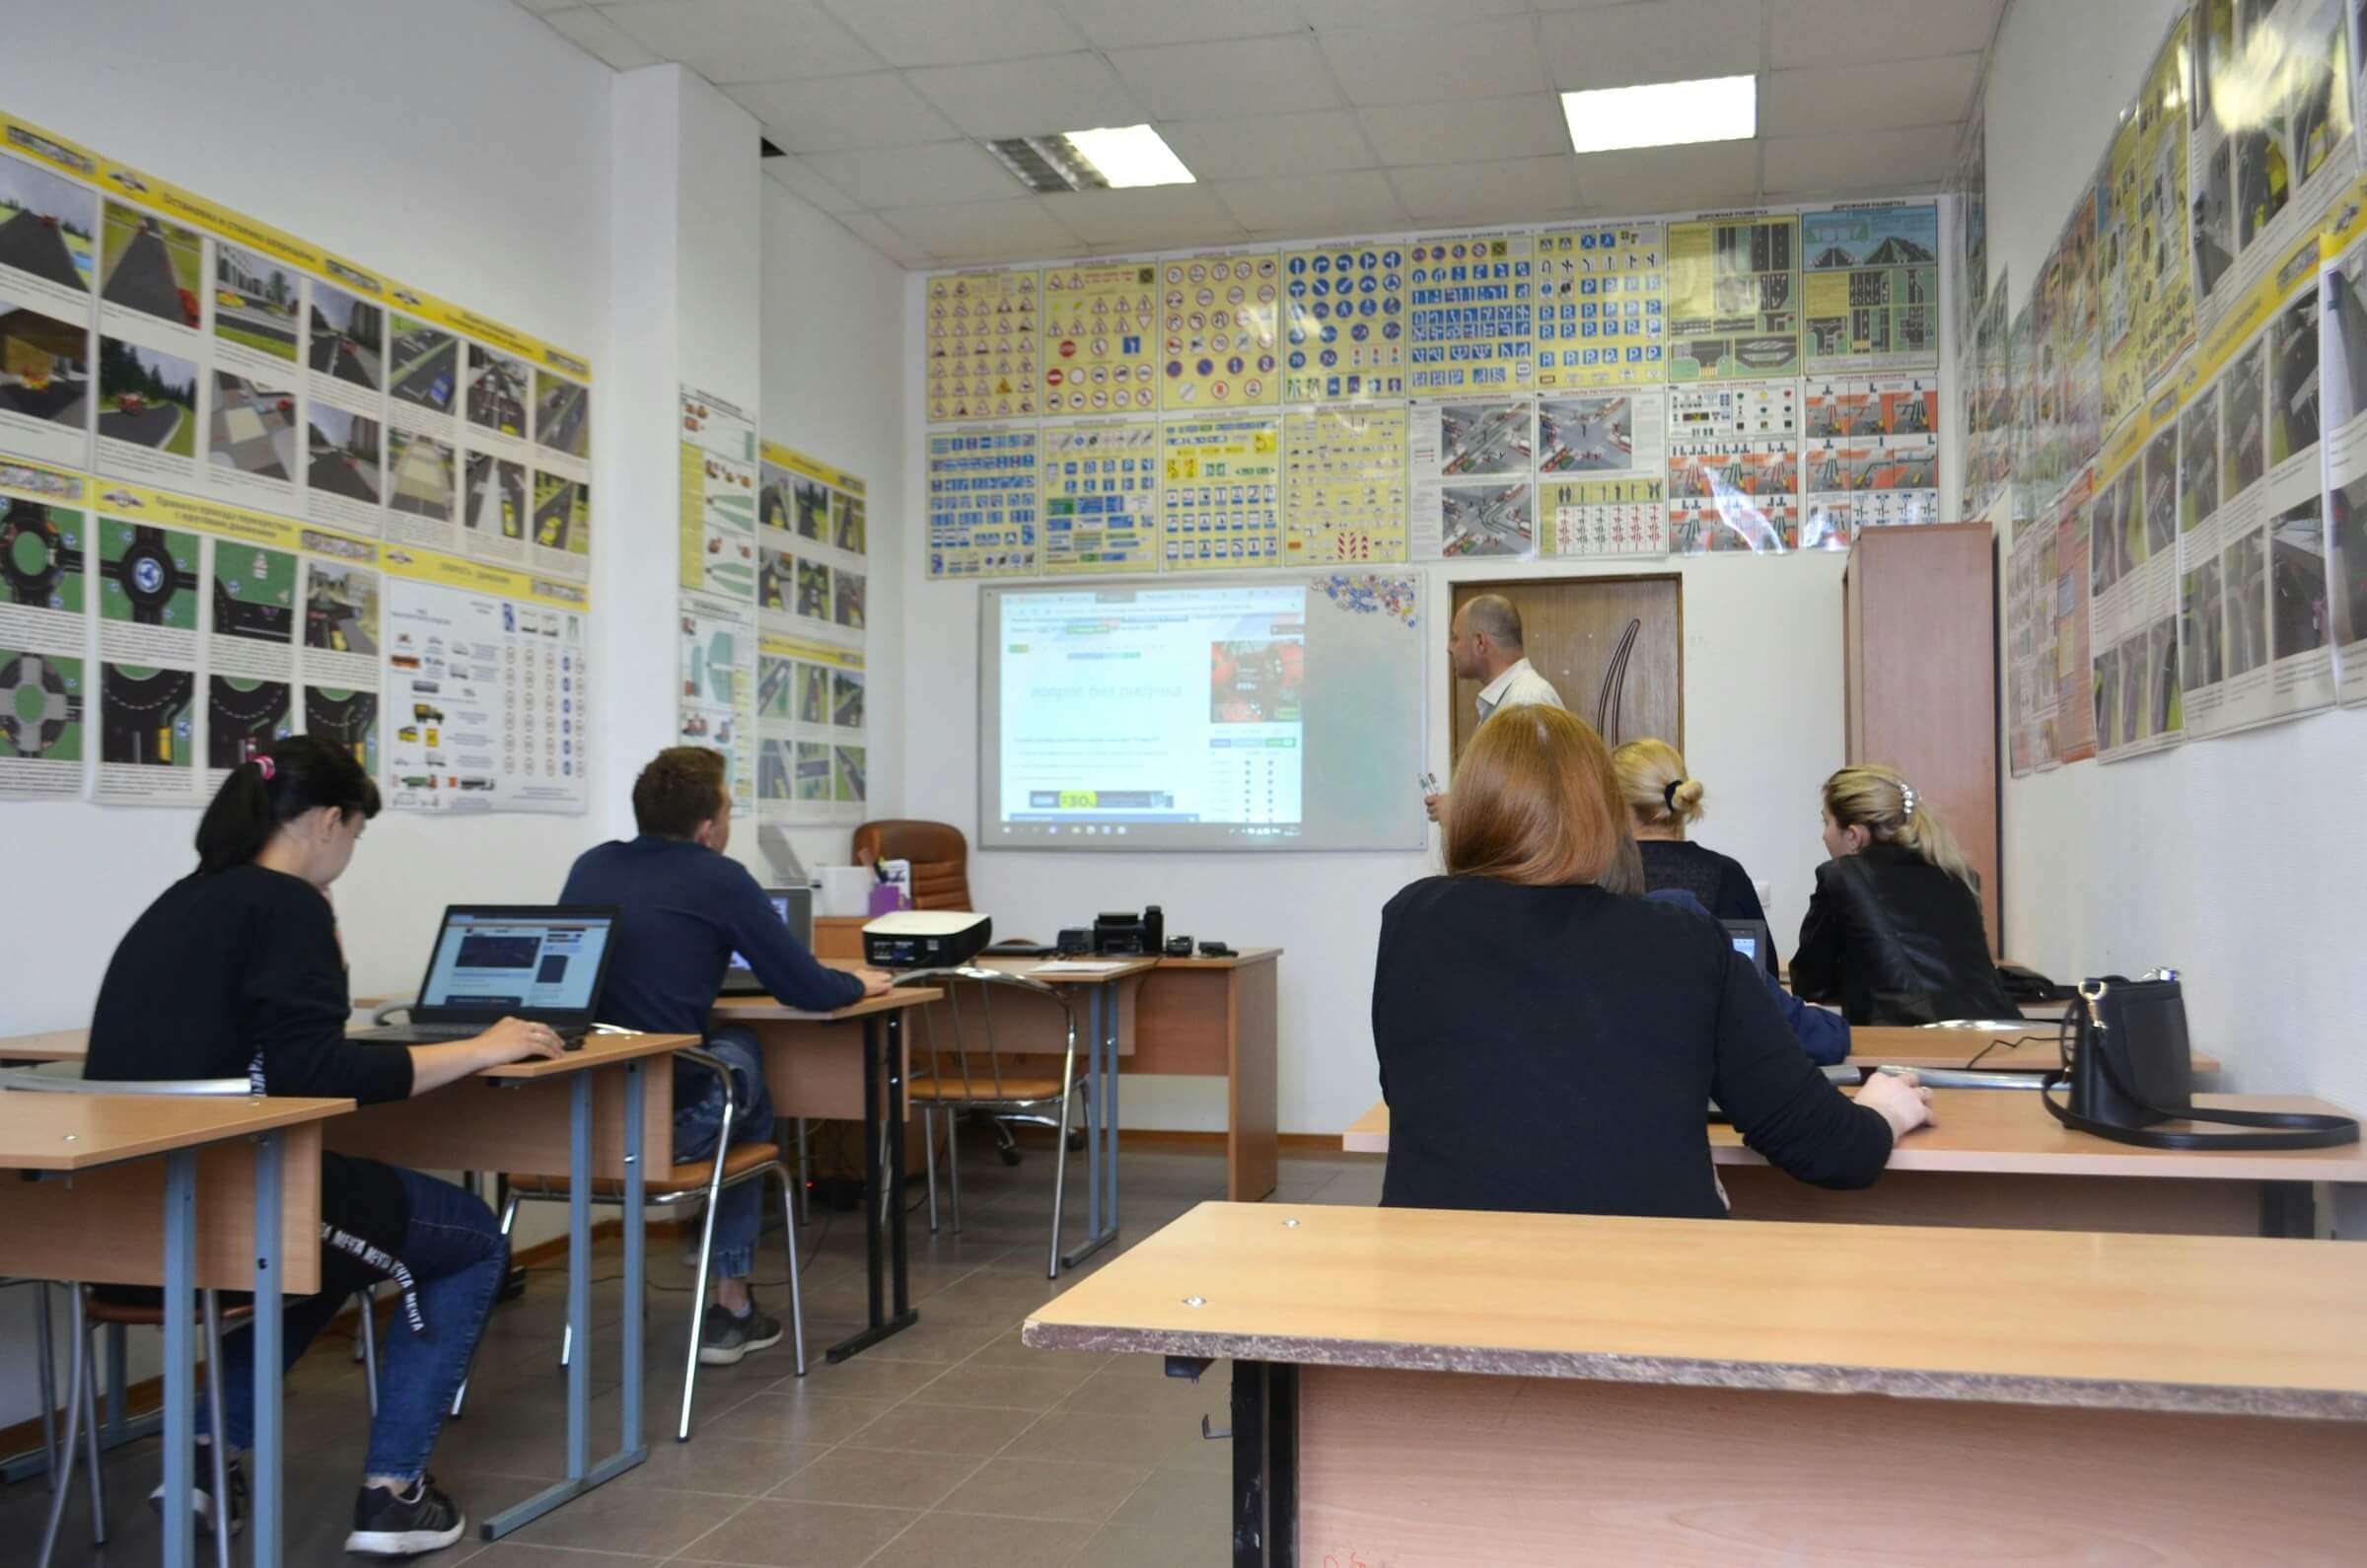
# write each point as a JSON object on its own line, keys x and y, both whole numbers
{"x": 1554, "y": 1049}
{"x": 1895, "y": 940}
{"x": 1718, "y": 881}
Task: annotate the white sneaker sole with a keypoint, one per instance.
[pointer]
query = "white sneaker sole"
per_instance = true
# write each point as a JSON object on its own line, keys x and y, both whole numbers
{"x": 402, "y": 1543}
{"x": 729, "y": 1355}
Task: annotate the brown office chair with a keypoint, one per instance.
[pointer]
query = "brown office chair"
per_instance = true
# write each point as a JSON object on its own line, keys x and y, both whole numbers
{"x": 939, "y": 854}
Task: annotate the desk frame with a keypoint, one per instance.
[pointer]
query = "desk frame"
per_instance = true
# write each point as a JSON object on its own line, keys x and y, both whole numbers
{"x": 884, "y": 1178}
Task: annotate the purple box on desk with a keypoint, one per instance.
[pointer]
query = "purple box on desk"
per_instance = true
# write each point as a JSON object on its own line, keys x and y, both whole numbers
{"x": 886, "y": 898}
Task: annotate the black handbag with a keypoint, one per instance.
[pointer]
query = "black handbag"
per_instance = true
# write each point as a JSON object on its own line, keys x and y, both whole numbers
{"x": 2129, "y": 1066}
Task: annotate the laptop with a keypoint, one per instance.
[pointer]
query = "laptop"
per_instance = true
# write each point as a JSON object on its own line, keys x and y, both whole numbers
{"x": 544, "y": 963}
{"x": 1749, "y": 938}
{"x": 795, "y": 906}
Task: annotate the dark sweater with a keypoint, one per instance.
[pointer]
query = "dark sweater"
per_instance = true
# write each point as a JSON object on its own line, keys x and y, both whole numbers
{"x": 239, "y": 975}
{"x": 1553, "y": 1050}
{"x": 1718, "y": 881}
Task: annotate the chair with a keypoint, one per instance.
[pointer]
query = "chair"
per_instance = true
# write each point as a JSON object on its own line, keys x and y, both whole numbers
{"x": 939, "y": 854}
{"x": 731, "y": 1164}
{"x": 1014, "y": 1099}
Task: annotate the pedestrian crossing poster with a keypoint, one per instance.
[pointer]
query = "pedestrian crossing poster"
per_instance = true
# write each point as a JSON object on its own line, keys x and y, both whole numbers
{"x": 1602, "y": 306}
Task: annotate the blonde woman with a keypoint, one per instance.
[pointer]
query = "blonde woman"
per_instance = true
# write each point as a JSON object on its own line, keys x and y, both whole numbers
{"x": 1547, "y": 1044}
{"x": 1662, "y": 803}
{"x": 1894, "y": 931}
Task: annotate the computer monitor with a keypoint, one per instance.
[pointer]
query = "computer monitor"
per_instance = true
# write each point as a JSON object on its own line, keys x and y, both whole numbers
{"x": 1749, "y": 939}
{"x": 540, "y": 961}
{"x": 795, "y": 906}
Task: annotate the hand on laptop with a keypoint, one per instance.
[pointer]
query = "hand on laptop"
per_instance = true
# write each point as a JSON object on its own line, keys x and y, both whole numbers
{"x": 516, "y": 1039}
{"x": 875, "y": 981}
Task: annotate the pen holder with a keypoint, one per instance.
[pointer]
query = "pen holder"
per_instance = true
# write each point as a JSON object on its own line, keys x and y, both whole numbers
{"x": 886, "y": 898}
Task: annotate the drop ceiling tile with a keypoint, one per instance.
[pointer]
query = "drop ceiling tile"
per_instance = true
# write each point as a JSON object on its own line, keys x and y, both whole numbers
{"x": 1028, "y": 98}
{"x": 956, "y": 32}
{"x": 1851, "y": 165}
{"x": 1163, "y": 217}
{"x": 1012, "y": 228}
{"x": 830, "y": 113}
{"x": 1250, "y": 146}
{"x": 1531, "y": 126}
{"x": 1326, "y": 15}
{"x": 1239, "y": 76}
{"x": 792, "y": 175}
{"x": 1361, "y": 201}
{"x": 746, "y": 41}
{"x": 1427, "y": 64}
{"x": 1804, "y": 32}
{"x": 1652, "y": 179}
{"x": 1124, "y": 24}
{"x": 1664, "y": 41}
{"x": 912, "y": 176}
{"x": 1503, "y": 190}
{"x": 874, "y": 231}
{"x": 1843, "y": 97}
{"x": 600, "y": 39}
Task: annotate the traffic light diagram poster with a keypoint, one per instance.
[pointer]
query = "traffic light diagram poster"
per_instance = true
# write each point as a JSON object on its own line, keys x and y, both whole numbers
{"x": 718, "y": 515}
{"x": 1601, "y": 460}
{"x": 982, "y": 353}
{"x": 1734, "y": 468}
{"x": 1344, "y": 485}
{"x": 983, "y": 504}
{"x": 1871, "y": 455}
{"x": 1602, "y": 306}
{"x": 1221, "y": 492}
{"x": 1343, "y": 323}
{"x": 1471, "y": 307}
{"x": 1100, "y": 496}
{"x": 1219, "y": 344}
{"x": 2148, "y": 287}
{"x": 813, "y": 543}
{"x": 1734, "y": 296}
{"x": 1870, "y": 279}
{"x": 1474, "y": 464}
{"x": 1100, "y": 330}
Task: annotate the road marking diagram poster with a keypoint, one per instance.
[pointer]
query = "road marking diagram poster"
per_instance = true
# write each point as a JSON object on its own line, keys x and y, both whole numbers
{"x": 983, "y": 345}
{"x": 1220, "y": 329}
{"x": 1734, "y": 296}
{"x": 2344, "y": 374}
{"x": 49, "y": 561}
{"x": 983, "y": 503}
{"x": 1221, "y": 492}
{"x": 1100, "y": 496}
{"x": 1602, "y": 306}
{"x": 1734, "y": 468}
{"x": 718, "y": 516}
{"x": 1870, "y": 275}
{"x": 1473, "y": 465}
{"x": 1099, "y": 326}
{"x": 1344, "y": 485}
{"x": 1471, "y": 308}
{"x": 1601, "y": 465}
{"x": 717, "y": 707}
{"x": 2147, "y": 281}
{"x": 1872, "y": 456}
{"x": 813, "y": 759}
{"x": 813, "y": 545}
{"x": 1344, "y": 321}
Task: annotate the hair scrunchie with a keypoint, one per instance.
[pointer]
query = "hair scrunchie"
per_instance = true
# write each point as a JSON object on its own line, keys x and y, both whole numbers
{"x": 1668, "y": 793}
{"x": 266, "y": 767}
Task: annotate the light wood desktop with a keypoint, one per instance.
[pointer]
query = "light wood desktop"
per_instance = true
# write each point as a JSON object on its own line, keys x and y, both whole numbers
{"x": 1415, "y": 1387}
{"x": 56, "y": 1046}
{"x": 2035, "y": 1050}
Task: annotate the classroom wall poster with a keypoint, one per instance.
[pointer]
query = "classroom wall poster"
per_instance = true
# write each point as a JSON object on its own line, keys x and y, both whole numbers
{"x": 1473, "y": 465}
{"x": 1734, "y": 468}
{"x": 981, "y": 345}
{"x": 813, "y": 544}
{"x": 1220, "y": 492}
{"x": 1602, "y": 306}
{"x": 1344, "y": 485}
{"x": 1602, "y": 465}
{"x": 1100, "y": 496}
{"x": 2146, "y": 280}
{"x": 1734, "y": 296}
{"x": 1870, "y": 280}
{"x": 1343, "y": 323}
{"x": 984, "y": 505}
{"x": 1099, "y": 334}
{"x": 2077, "y": 693}
{"x": 2133, "y": 594}
{"x": 813, "y": 749}
{"x": 1971, "y": 185}
{"x": 1872, "y": 456}
{"x": 1220, "y": 330}
{"x": 2343, "y": 373}
{"x": 718, "y": 497}
{"x": 801, "y": 738}
{"x": 1470, "y": 308}
{"x": 716, "y": 649}
{"x": 48, "y": 560}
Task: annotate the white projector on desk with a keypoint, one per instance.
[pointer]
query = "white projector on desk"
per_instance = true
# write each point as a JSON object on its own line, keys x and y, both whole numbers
{"x": 926, "y": 939}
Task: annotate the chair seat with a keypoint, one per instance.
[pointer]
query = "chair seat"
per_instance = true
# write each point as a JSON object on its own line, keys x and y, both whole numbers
{"x": 140, "y": 1316}
{"x": 985, "y": 1092}
{"x": 687, "y": 1176}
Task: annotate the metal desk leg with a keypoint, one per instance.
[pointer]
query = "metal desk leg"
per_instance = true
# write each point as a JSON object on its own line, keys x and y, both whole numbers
{"x": 883, "y": 1184}
{"x": 636, "y": 1259}
{"x": 263, "y": 1529}
{"x": 181, "y": 1307}
{"x": 1266, "y": 1464}
{"x": 1101, "y": 1140}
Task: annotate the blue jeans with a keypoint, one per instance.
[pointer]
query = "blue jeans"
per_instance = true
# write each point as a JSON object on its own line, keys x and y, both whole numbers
{"x": 457, "y": 1256}
{"x": 699, "y": 1122}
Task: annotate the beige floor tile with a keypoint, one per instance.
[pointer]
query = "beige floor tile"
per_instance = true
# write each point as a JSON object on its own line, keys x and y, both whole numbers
{"x": 1180, "y": 1504}
{"x": 1037, "y": 1388}
{"x": 799, "y": 1534}
{"x": 944, "y": 1429}
{"x": 976, "y": 1541}
{"x": 879, "y": 1477}
{"x": 794, "y": 1418}
{"x": 1046, "y": 1489}
{"x": 1103, "y": 1439}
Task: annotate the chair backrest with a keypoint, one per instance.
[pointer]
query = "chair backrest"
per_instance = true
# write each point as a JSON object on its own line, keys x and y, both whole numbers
{"x": 951, "y": 980}
{"x": 939, "y": 854}
{"x": 66, "y": 1078}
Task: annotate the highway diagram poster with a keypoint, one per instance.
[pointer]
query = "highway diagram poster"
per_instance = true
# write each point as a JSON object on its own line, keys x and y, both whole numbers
{"x": 1344, "y": 485}
{"x": 1220, "y": 493}
{"x": 1602, "y": 306}
{"x": 2146, "y": 281}
{"x": 1734, "y": 468}
{"x": 1870, "y": 280}
{"x": 1872, "y": 456}
{"x": 1100, "y": 329}
{"x": 1100, "y": 496}
{"x": 718, "y": 512}
{"x": 1602, "y": 463}
{"x": 1471, "y": 308}
{"x": 48, "y": 560}
{"x": 1220, "y": 332}
{"x": 983, "y": 503}
{"x": 718, "y": 665}
{"x": 983, "y": 345}
{"x": 812, "y": 760}
{"x": 1343, "y": 323}
{"x": 2343, "y": 375}
{"x": 1472, "y": 466}
{"x": 1734, "y": 296}
{"x": 813, "y": 544}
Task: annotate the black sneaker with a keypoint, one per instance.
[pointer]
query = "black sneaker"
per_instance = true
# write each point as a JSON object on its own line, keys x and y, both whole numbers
{"x": 726, "y": 1339}
{"x": 390, "y": 1524}
{"x": 202, "y": 1489}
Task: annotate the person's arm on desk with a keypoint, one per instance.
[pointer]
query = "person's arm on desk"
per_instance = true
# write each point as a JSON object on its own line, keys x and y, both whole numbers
{"x": 513, "y": 1039}
{"x": 794, "y": 976}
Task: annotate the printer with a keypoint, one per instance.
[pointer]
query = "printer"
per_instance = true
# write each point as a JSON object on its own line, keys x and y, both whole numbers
{"x": 926, "y": 939}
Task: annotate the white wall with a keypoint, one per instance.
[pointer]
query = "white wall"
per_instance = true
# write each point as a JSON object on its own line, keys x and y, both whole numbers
{"x": 2234, "y": 860}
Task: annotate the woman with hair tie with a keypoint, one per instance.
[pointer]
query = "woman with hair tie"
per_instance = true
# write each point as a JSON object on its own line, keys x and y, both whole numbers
{"x": 1662, "y": 802}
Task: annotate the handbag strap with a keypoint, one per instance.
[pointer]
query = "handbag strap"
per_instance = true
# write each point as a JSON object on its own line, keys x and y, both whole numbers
{"x": 2290, "y": 1129}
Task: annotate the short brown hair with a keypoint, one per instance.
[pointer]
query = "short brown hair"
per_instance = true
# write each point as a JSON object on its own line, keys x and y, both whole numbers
{"x": 1535, "y": 802}
{"x": 683, "y": 787}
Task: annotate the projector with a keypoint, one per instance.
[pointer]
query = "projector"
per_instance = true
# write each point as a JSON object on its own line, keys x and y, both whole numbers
{"x": 925, "y": 939}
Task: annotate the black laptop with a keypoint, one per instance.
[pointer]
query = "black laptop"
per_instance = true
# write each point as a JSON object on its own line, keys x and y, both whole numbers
{"x": 795, "y": 906}
{"x": 545, "y": 962}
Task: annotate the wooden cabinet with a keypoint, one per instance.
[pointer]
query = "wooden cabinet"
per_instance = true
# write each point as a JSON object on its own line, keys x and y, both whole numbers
{"x": 1921, "y": 685}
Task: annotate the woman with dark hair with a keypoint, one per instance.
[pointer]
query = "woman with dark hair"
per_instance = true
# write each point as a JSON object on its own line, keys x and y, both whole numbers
{"x": 1548, "y": 1045}
{"x": 235, "y": 972}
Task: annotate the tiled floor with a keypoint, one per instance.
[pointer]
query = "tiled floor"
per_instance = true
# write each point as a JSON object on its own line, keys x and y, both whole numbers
{"x": 949, "y": 1444}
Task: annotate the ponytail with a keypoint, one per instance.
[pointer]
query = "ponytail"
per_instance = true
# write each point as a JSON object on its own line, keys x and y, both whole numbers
{"x": 278, "y": 784}
{"x": 1652, "y": 782}
{"x": 1892, "y": 812}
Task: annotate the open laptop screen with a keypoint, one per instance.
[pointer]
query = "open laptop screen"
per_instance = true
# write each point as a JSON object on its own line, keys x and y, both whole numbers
{"x": 492, "y": 961}
{"x": 1749, "y": 938}
{"x": 780, "y": 907}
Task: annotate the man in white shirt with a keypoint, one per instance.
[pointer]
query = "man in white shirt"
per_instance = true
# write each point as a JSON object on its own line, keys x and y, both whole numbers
{"x": 1484, "y": 643}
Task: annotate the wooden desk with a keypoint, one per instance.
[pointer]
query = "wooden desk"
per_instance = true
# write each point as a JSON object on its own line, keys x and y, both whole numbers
{"x": 56, "y": 1045}
{"x": 1994, "y": 1157}
{"x": 2032, "y": 1051}
{"x": 184, "y": 1191}
{"x": 1413, "y": 1387}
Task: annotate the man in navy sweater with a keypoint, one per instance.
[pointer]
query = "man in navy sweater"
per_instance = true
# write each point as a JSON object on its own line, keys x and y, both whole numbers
{"x": 687, "y": 908}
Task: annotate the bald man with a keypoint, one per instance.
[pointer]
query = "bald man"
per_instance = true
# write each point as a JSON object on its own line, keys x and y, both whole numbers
{"x": 1484, "y": 643}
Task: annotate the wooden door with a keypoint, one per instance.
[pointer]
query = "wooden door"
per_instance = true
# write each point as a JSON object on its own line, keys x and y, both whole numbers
{"x": 1572, "y": 628}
